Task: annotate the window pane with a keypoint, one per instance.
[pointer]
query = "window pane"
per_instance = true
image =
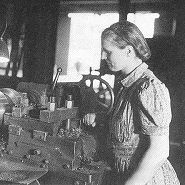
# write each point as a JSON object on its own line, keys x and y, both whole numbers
{"x": 85, "y": 42}
{"x": 145, "y": 22}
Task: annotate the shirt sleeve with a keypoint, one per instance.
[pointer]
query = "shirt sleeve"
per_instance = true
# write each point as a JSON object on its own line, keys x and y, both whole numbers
{"x": 154, "y": 109}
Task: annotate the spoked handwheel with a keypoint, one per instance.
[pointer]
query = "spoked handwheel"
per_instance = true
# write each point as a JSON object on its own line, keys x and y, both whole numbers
{"x": 97, "y": 95}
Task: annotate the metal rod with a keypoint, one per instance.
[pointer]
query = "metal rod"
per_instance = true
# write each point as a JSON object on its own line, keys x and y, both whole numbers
{"x": 59, "y": 70}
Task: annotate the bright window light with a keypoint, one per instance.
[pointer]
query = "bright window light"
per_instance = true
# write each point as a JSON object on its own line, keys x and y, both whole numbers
{"x": 145, "y": 22}
{"x": 85, "y": 44}
{"x": 85, "y": 40}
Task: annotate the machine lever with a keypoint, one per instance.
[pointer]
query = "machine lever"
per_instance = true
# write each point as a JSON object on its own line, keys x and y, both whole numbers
{"x": 59, "y": 70}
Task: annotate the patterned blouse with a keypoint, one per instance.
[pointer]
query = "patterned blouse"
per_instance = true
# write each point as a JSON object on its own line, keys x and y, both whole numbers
{"x": 142, "y": 108}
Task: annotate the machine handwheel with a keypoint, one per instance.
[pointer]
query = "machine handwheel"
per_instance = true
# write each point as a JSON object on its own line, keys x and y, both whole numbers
{"x": 97, "y": 94}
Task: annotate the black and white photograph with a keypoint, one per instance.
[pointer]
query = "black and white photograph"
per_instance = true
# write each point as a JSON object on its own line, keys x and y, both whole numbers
{"x": 92, "y": 92}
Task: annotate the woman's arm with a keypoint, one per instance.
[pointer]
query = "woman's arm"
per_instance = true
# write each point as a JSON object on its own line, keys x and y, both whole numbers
{"x": 154, "y": 116}
{"x": 157, "y": 152}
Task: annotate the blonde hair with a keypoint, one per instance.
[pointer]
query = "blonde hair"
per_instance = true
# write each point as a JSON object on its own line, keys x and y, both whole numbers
{"x": 126, "y": 33}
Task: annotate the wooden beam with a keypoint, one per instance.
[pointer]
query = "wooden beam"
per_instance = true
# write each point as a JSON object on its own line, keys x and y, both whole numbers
{"x": 124, "y": 9}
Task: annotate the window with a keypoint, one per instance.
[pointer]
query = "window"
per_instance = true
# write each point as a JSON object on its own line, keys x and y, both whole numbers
{"x": 145, "y": 22}
{"x": 85, "y": 40}
{"x": 85, "y": 43}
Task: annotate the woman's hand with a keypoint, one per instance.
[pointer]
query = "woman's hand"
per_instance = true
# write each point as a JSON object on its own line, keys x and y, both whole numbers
{"x": 89, "y": 119}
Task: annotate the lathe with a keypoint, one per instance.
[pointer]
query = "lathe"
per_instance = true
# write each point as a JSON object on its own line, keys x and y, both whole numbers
{"x": 44, "y": 140}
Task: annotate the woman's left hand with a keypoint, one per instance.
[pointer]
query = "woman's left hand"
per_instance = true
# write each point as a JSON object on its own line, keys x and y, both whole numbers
{"x": 89, "y": 119}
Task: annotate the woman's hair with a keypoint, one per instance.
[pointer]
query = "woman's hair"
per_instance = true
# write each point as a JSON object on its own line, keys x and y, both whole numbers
{"x": 126, "y": 33}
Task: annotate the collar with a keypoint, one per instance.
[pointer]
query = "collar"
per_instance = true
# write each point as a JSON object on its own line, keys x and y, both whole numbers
{"x": 134, "y": 75}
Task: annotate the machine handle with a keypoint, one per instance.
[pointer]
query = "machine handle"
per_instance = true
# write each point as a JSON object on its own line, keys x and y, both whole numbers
{"x": 59, "y": 70}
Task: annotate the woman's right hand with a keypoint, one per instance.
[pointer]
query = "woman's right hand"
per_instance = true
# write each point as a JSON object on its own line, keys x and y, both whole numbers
{"x": 89, "y": 119}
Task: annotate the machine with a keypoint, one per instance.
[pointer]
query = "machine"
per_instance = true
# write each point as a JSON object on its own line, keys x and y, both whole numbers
{"x": 43, "y": 138}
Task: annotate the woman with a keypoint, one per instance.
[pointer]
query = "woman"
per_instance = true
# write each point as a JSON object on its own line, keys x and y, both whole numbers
{"x": 139, "y": 125}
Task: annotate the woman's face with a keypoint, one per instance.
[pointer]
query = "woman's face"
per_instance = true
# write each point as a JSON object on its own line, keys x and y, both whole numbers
{"x": 116, "y": 58}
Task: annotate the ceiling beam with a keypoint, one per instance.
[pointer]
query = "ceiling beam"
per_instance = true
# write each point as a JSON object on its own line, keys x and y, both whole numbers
{"x": 68, "y": 2}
